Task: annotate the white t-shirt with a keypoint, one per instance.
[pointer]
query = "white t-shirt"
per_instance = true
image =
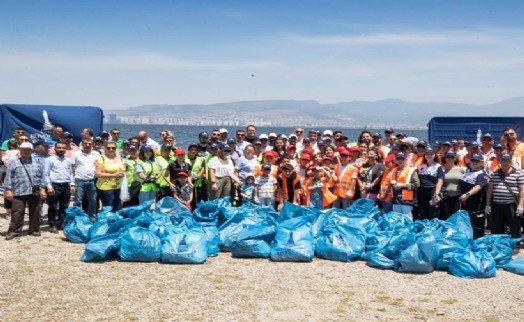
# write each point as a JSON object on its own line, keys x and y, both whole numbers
{"x": 84, "y": 164}
{"x": 266, "y": 186}
{"x": 222, "y": 169}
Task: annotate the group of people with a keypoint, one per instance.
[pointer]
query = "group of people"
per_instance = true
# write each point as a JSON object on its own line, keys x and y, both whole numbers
{"x": 317, "y": 169}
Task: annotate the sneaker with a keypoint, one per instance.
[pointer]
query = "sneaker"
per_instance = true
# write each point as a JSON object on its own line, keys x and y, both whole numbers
{"x": 36, "y": 234}
{"x": 54, "y": 230}
{"x": 11, "y": 236}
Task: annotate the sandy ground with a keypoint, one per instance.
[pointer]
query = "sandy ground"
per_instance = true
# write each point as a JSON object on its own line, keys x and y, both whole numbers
{"x": 42, "y": 278}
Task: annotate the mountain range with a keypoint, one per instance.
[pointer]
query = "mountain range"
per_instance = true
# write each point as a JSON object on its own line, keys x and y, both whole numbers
{"x": 389, "y": 112}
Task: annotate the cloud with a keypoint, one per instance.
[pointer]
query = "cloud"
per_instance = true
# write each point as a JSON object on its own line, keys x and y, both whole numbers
{"x": 480, "y": 37}
{"x": 128, "y": 62}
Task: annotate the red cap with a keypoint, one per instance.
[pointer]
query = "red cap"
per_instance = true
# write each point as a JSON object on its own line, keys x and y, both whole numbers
{"x": 309, "y": 151}
{"x": 355, "y": 149}
{"x": 268, "y": 154}
{"x": 345, "y": 152}
{"x": 180, "y": 151}
{"x": 330, "y": 159}
{"x": 306, "y": 157}
{"x": 389, "y": 158}
{"x": 341, "y": 148}
{"x": 182, "y": 174}
{"x": 289, "y": 147}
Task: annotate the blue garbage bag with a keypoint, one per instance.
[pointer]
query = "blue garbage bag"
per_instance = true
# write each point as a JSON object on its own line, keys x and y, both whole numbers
{"x": 212, "y": 239}
{"x": 169, "y": 205}
{"x": 76, "y": 225}
{"x": 449, "y": 241}
{"x": 106, "y": 213}
{"x": 188, "y": 247}
{"x": 139, "y": 244}
{"x": 515, "y": 266}
{"x": 364, "y": 207}
{"x": 209, "y": 211}
{"x": 293, "y": 241}
{"x": 254, "y": 241}
{"x": 99, "y": 228}
{"x": 102, "y": 248}
{"x": 463, "y": 223}
{"x": 119, "y": 225}
{"x": 324, "y": 216}
{"x": 135, "y": 211}
{"x": 419, "y": 257}
{"x": 230, "y": 230}
{"x": 473, "y": 263}
{"x": 340, "y": 242}
{"x": 290, "y": 211}
{"x": 393, "y": 220}
{"x": 499, "y": 246}
{"x": 144, "y": 220}
{"x": 383, "y": 249}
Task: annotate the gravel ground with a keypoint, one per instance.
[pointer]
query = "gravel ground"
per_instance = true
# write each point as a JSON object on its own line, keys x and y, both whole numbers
{"x": 42, "y": 278}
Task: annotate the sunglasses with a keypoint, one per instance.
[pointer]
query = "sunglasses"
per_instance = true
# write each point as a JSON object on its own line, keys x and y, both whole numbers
{"x": 241, "y": 135}
{"x": 486, "y": 139}
{"x": 299, "y": 131}
{"x": 110, "y": 148}
{"x": 19, "y": 132}
{"x": 510, "y": 134}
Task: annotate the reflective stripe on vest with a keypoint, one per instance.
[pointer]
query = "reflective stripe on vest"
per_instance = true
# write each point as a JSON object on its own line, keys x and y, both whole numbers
{"x": 385, "y": 185}
{"x": 150, "y": 170}
{"x": 195, "y": 169}
{"x": 346, "y": 185}
{"x": 404, "y": 177}
{"x": 327, "y": 197}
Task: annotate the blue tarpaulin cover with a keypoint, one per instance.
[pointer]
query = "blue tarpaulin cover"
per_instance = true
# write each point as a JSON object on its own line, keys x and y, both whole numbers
{"x": 30, "y": 117}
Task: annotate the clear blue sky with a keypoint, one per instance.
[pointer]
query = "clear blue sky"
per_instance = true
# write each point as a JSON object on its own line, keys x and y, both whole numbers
{"x": 118, "y": 54}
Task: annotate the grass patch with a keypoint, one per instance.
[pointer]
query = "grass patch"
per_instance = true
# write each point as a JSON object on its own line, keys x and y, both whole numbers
{"x": 449, "y": 301}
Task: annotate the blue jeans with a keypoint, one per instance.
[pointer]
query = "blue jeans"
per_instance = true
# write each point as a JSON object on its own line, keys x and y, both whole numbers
{"x": 266, "y": 202}
{"x": 144, "y": 196}
{"x": 403, "y": 209}
{"x": 110, "y": 198}
{"x": 86, "y": 188}
{"x": 316, "y": 203}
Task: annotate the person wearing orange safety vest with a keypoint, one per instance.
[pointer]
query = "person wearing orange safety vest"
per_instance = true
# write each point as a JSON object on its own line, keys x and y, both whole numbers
{"x": 316, "y": 187}
{"x": 346, "y": 181}
{"x": 473, "y": 149}
{"x": 384, "y": 196}
{"x": 493, "y": 163}
{"x": 288, "y": 186}
{"x": 404, "y": 182}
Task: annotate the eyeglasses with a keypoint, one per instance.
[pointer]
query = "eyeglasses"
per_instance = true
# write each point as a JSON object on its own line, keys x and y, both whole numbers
{"x": 241, "y": 135}
{"x": 510, "y": 134}
{"x": 486, "y": 139}
{"x": 110, "y": 148}
{"x": 299, "y": 131}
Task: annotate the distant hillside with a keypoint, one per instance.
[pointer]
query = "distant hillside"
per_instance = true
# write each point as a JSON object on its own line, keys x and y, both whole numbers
{"x": 391, "y": 112}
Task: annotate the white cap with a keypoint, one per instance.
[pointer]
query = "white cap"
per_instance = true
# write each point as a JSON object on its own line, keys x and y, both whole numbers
{"x": 283, "y": 136}
{"x": 327, "y": 138}
{"x": 293, "y": 135}
{"x": 263, "y": 136}
{"x": 272, "y": 135}
{"x": 222, "y": 130}
{"x": 328, "y": 132}
{"x": 26, "y": 145}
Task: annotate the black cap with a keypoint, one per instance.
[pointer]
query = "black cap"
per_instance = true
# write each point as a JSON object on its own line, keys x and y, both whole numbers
{"x": 498, "y": 146}
{"x": 40, "y": 142}
{"x": 506, "y": 156}
{"x": 449, "y": 154}
{"x": 422, "y": 143}
{"x": 66, "y": 135}
{"x": 377, "y": 135}
{"x": 477, "y": 157}
{"x": 203, "y": 134}
{"x": 266, "y": 167}
{"x": 389, "y": 130}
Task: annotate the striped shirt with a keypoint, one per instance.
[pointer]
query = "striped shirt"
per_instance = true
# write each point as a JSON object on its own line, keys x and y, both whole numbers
{"x": 501, "y": 193}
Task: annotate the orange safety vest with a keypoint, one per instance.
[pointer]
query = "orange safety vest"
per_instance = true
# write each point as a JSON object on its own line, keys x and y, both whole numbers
{"x": 404, "y": 177}
{"x": 493, "y": 165}
{"x": 258, "y": 170}
{"x": 285, "y": 194}
{"x": 346, "y": 184}
{"x": 464, "y": 160}
{"x": 327, "y": 197}
{"x": 385, "y": 183}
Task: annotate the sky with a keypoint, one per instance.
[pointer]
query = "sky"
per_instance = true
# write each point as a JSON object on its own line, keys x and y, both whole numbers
{"x": 119, "y": 54}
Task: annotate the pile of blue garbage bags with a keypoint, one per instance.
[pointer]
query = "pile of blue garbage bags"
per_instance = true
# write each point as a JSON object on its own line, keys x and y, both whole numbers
{"x": 172, "y": 234}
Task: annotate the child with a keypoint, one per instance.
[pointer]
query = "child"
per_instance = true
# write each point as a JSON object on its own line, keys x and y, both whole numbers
{"x": 247, "y": 191}
{"x": 319, "y": 195}
{"x": 183, "y": 189}
{"x": 265, "y": 187}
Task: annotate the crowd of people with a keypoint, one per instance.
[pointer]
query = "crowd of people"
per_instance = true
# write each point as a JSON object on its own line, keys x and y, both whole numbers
{"x": 315, "y": 169}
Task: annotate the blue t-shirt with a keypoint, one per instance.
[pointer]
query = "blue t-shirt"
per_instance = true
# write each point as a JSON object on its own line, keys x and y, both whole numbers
{"x": 429, "y": 175}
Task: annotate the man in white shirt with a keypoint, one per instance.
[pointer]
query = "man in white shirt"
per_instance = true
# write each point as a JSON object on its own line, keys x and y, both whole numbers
{"x": 83, "y": 162}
